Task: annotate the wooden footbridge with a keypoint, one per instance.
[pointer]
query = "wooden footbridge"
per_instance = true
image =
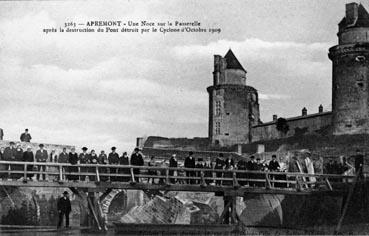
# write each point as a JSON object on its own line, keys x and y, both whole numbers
{"x": 102, "y": 179}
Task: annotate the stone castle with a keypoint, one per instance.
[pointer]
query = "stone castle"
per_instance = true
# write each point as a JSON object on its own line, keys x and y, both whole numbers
{"x": 234, "y": 116}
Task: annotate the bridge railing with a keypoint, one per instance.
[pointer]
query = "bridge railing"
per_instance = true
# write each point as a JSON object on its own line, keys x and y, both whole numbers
{"x": 169, "y": 175}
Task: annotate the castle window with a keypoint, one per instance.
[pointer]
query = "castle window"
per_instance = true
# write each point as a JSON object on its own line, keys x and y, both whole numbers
{"x": 217, "y": 127}
{"x": 217, "y": 108}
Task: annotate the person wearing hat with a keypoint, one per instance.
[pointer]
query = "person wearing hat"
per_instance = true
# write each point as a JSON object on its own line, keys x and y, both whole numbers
{"x": 64, "y": 209}
{"x": 173, "y": 163}
{"x": 41, "y": 156}
{"x": 259, "y": 167}
{"x": 84, "y": 158}
{"x": 242, "y": 165}
{"x": 25, "y": 137}
{"x": 93, "y": 161}
{"x": 1, "y": 134}
{"x": 29, "y": 157}
{"x": 18, "y": 157}
{"x": 113, "y": 160}
{"x": 124, "y": 161}
{"x": 274, "y": 167}
{"x": 219, "y": 165}
{"x": 137, "y": 160}
{"x": 359, "y": 162}
{"x": 190, "y": 163}
{"x": 251, "y": 165}
{"x": 103, "y": 160}
{"x": 274, "y": 164}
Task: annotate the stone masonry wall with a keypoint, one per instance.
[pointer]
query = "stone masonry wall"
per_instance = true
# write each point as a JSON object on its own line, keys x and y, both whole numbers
{"x": 298, "y": 126}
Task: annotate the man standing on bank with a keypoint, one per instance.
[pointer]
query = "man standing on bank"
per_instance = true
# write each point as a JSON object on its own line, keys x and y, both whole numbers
{"x": 26, "y": 137}
{"x": 64, "y": 208}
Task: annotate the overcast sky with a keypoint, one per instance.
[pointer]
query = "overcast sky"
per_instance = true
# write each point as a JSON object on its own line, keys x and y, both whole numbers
{"x": 100, "y": 90}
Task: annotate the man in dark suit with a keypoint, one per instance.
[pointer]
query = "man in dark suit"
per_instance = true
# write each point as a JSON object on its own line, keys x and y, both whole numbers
{"x": 41, "y": 156}
{"x": 251, "y": 165}
{"x": 113, "y": 160}
{"x": 219, "y": 165}
{"x": 64, "y": 208}
{"x": 190, "y": 163}
{"x": 9, "y": 155}
{"x": 274, "y": 164}
{"x": 84, "y": 158}
{"x": 137, "y": 160}
{"x": 26, "y": 137}
{"x": 174, "y": 164}
{"x": 242, "y": 165}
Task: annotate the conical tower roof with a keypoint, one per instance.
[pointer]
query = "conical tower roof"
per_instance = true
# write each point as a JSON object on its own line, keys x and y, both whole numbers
{"x": 232, "y": 61}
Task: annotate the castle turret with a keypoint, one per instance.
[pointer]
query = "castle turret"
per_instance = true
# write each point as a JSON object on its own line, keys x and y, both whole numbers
{"x": 350, "y": 85}
{"x": 233, "y": 106}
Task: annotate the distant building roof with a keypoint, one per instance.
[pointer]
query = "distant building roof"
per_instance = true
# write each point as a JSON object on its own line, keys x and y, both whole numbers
{"x": 296, "y": 118}
{"x": 232, "y": 61}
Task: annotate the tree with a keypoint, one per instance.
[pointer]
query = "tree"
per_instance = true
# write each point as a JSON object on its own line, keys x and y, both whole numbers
{"x": 282, "y": 125}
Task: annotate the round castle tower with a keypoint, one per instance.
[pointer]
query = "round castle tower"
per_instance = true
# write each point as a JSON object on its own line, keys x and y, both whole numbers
{"x": 350, "y": 85}
{"x": 233, "y": 106}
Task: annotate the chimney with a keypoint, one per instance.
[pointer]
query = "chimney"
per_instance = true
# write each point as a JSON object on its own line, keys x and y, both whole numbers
{"x": 304, "y": 111}
{"x": 351, "y": 13}
{"x": 320, "y": 109}
{"x": 139, "y": 143}
{"x": 275, "y": 117}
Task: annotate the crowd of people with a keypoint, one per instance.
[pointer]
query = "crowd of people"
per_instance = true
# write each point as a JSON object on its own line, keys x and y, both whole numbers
{"x": 15, "y": 153}
{"x": 72, "y": 172}
{"x": 214, "y": 171}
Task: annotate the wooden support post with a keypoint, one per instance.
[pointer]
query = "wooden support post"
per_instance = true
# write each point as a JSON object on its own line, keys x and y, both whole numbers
{"x": 9, "y": 197}
{"x": 226, "y": 208}
{"x": 60, "y": 173}
{"x": 298, "y": 184}
{"x": 132, "y": 176}
{"x": 351, "y": 192}
{"x": 97, "y": 174}
{"x": 91, "y": 205}
{"x": 167, "y": 176}
{"x": 233, "y": 210}
{"x": 103, "y": 217}
{"x": 328, "y": 184}
{"x": 25, "y": 173}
